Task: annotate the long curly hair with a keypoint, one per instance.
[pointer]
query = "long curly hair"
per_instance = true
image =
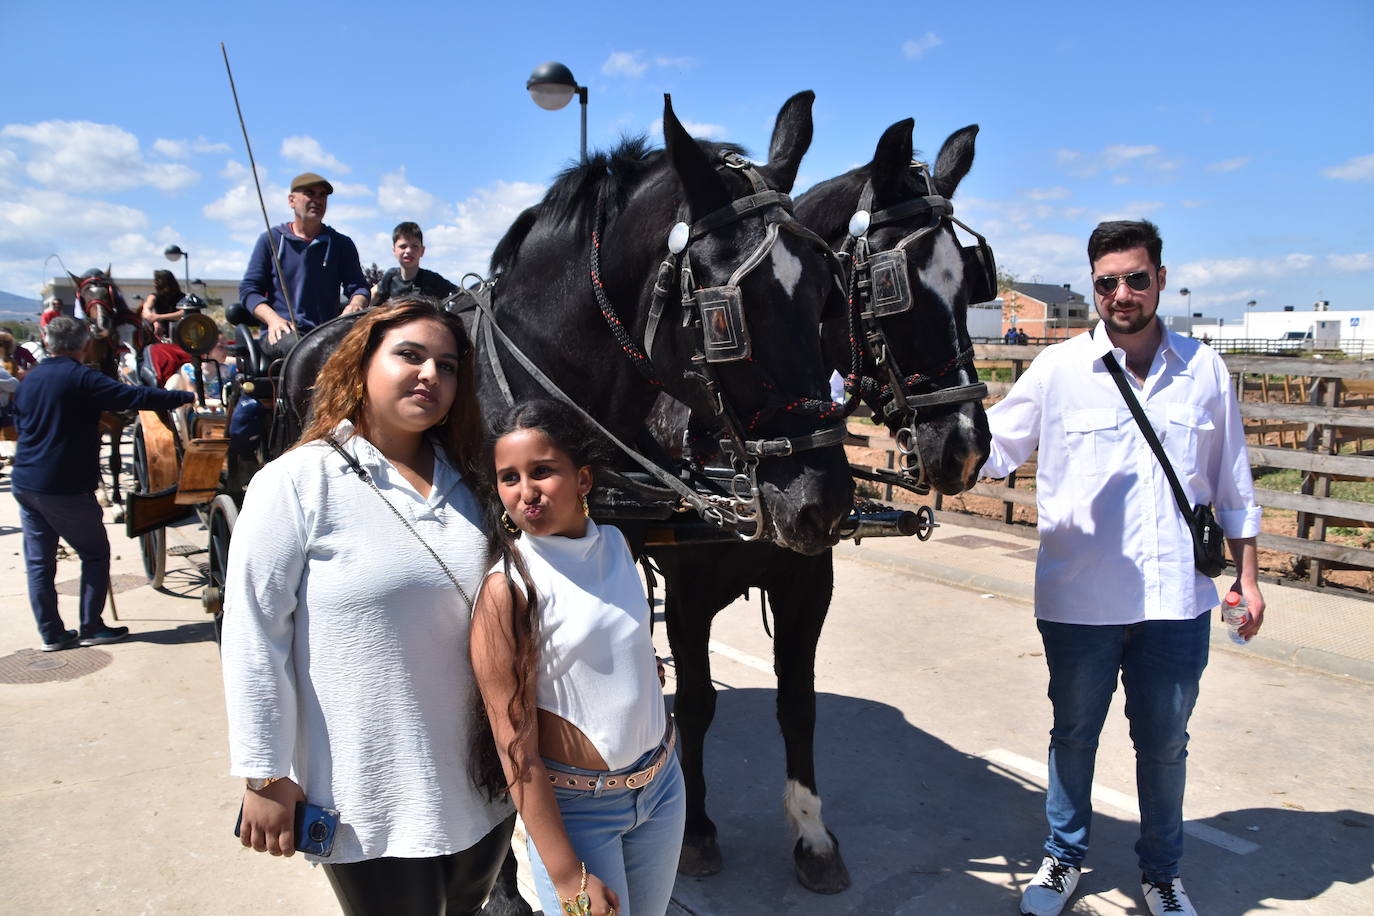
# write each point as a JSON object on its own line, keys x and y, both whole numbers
{"x": 570, "y": 434}
{"x": 340, "y": 387}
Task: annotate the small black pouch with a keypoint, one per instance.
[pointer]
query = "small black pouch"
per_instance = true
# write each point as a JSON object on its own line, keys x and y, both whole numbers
{"x": 1209, "y": 542}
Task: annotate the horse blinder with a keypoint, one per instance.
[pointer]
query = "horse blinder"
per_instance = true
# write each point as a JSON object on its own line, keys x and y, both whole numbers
{"x": 723, "y": 324}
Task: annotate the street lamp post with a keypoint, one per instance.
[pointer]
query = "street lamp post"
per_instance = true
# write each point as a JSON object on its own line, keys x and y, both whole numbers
{"x": 1248, "y": 306}
{"x": 552, "y": 85}
{"x": 174, "y": 253}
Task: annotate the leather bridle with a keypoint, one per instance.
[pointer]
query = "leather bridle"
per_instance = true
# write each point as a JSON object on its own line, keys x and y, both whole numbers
{"x": 880, "y": 288}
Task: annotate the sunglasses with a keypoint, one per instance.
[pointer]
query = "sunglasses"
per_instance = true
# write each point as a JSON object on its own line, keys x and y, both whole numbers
{"x": 1138, "y": 281}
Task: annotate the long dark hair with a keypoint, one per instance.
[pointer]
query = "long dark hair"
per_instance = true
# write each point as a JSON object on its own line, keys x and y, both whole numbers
{"x": 339, "y": 387}
{"x": 165, "y": 286}
{"x": 571, "y": 435}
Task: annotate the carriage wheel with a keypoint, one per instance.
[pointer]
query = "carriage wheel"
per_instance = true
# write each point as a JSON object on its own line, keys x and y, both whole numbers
{"x": 152, "y": 545}
{"x": 224, "y": 513}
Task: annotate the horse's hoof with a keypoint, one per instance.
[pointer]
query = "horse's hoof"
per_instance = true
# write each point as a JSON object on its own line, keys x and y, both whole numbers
{"x": 498, "y": 904}
{"x": 700, "y": 857}
{"x": 119, "y": 516}
{"x": 821, "y": 873}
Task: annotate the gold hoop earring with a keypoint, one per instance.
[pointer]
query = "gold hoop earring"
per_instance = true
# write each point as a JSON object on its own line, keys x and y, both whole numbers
{"x": 444, "y": 421}
{"x": 508, "y": 524}
{"x": 586, "y": 510}
{"x": 358, "y": 393}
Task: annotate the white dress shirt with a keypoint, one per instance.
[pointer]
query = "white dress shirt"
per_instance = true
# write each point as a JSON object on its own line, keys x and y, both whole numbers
{"x": 1114, "y": 548}
{"x": 345, "y": 649}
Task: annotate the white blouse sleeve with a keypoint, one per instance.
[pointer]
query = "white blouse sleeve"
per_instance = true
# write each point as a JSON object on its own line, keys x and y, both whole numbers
{"x": 266, "y": 561}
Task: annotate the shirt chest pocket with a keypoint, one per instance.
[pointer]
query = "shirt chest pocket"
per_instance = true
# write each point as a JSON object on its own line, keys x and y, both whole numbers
{"x": 1093, "y": 438}
{"x": 1186, "y": 433}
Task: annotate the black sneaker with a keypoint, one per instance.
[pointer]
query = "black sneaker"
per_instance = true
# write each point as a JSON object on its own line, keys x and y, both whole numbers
{"x": 105, "y": 636}
{"x": 68, "y": 641}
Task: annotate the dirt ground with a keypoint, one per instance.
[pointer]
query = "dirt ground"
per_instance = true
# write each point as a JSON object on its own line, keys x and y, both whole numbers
{"x": 1272, "y": 562}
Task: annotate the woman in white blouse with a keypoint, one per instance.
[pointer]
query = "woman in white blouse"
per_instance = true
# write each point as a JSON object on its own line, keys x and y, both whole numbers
{"x": 345, "y": 658}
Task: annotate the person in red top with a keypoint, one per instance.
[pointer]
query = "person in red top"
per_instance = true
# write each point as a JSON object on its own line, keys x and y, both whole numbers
{"x": 55, "y": 308}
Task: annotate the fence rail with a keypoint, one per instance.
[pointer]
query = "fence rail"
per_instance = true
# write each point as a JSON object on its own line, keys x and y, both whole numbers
{"x": 1333, "y": 413}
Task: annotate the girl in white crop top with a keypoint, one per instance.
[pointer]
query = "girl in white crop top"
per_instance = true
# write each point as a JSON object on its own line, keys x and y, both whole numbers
{"x": 562, "y": 652}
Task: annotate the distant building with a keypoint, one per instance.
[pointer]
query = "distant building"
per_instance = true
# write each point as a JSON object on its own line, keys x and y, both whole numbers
{"x": 1045, "y": 310}
{"x": 136, "y": 289}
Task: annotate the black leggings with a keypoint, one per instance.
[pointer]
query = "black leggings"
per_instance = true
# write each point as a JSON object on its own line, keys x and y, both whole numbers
{"x": 453, "y": 885}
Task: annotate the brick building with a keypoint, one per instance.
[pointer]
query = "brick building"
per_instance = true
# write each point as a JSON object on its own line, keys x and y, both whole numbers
{"x": 1045, "y": 310}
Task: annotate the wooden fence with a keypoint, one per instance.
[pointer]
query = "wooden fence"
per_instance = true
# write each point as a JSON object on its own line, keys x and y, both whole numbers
{"x": 1315, "y": 416}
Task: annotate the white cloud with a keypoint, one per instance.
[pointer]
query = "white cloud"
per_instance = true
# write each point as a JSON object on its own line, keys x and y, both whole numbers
{"x": 1220, "y": 271}
{"x": 183, "y": 149}
{"x": 85, "y": 156}
{"x": 1133, "y": 210}
{"x": 398, "y": 197}
{"x": 625, "y": 63}
{"x": 239, "y": 210}
{"x": 1229, "y": 165}
{"x": 1358, "y": 168}
{"x": 699, "y": 129}
{"x": 308, "y": 153}
{"x": 1114, "y": 158}
{"x": 675, "y": 63}
{"x": 1043, "y": 258}
{"x": 464, "y": 242}
{"x": 34, "y": 223}
{"x": 1046, "y": 193}
{"x": 1352, "y": 263}
{"x": 915, "y": 49}
{"x": 350, "y": 189}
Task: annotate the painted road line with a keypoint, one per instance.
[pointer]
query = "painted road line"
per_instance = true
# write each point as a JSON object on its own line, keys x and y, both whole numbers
{"x": 744, "y": 658}
{"x": 1122, "y": 802}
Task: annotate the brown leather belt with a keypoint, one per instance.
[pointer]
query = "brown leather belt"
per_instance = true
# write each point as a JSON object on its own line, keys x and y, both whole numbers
{"x": 564, "y": 780}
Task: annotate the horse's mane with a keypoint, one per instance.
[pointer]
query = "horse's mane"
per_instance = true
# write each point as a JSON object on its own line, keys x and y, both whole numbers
{"x": 602, "y": 184}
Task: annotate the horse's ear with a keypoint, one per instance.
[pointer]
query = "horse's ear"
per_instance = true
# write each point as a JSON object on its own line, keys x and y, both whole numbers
{"x": 704, "y": 190}
{"x": 892, "y": 161}
{"x": 792, "y": 134}
{"x": 76, "y": 281}
{"x": 955, "y": 159}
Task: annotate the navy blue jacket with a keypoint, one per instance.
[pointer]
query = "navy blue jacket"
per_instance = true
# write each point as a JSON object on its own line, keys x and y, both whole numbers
{"x": 57, "y": 411}
{"x": 315, "y": 271}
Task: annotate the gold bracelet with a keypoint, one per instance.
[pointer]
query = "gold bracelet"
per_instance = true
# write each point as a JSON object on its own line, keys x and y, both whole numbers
{"x": 581, "y": 905}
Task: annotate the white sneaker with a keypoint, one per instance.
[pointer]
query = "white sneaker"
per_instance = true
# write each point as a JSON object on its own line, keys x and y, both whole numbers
{"x": 1050, "y": 889}
{"x": 1166, "y": 897}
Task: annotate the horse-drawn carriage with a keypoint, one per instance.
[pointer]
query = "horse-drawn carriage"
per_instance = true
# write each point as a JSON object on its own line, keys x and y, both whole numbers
{"x": 710, "y": 292}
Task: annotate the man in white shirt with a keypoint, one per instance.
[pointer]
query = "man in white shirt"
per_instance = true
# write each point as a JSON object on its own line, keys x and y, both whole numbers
{"x": 1116, "y": 590}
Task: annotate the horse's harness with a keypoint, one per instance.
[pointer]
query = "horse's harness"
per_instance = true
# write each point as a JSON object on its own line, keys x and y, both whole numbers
{"x": 880, "y": 288}
{"x": 716, "y": 322}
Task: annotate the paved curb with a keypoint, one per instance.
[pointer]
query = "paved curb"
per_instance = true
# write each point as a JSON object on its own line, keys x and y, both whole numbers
{"x": 1275, "y": 650}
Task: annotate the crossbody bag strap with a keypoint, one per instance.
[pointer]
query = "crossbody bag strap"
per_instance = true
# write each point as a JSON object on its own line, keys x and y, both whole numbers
{"x": 367, "y": 479}
{"x": 1119, "y": 377}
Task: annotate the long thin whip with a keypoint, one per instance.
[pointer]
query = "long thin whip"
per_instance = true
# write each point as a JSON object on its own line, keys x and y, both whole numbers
{"x": 253, "y": 166}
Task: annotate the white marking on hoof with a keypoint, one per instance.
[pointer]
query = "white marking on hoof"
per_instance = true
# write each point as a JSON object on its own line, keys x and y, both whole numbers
{"x": 804, "y": 813}
{"x": 787, "y": 269}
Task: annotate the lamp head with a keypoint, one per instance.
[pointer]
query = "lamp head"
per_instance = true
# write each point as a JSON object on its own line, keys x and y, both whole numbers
{"x": 173, "y": 252}
{"x": 551, "y": 85}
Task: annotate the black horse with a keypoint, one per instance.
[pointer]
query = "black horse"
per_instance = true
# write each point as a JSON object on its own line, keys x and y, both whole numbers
{"x": 723, "y": 318}
{"x": 915, "y": 370}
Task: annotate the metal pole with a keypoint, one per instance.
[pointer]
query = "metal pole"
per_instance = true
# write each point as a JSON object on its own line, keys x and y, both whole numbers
{"x": 582, "y": 96}
{"x": 253, "y": 167}
{"x": 187, "y": 258}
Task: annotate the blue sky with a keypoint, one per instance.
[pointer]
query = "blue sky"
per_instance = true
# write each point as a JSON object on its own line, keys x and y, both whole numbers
{"x": 1242, "y": 129}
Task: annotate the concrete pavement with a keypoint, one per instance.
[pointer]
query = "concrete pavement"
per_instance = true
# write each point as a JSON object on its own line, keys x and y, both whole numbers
{"x": 930, "y": 747}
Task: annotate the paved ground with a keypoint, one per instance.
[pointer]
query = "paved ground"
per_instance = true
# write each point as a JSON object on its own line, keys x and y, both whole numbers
{"x": 931, "y": 738}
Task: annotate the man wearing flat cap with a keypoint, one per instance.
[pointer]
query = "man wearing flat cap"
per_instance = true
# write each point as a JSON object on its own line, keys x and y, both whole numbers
{"x": 318, "y": 265}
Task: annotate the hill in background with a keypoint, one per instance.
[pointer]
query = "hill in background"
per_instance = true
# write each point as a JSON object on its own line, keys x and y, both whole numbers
{"x": 19, "y": 308}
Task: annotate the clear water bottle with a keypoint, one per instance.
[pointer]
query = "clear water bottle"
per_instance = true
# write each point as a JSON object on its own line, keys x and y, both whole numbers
{"x": 1234, "y": 613}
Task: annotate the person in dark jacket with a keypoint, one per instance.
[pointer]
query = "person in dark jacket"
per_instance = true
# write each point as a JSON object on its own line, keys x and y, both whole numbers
{"x": 410, "y": 279}
{"x": 317, "y": 264}
{"x": 56, "y": 472}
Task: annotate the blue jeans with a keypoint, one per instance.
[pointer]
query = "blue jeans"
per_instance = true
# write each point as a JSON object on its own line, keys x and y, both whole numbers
{"x": 629, "y": 838}
{"x": 77, "y": 519}
{"x": 1160, "y": 662}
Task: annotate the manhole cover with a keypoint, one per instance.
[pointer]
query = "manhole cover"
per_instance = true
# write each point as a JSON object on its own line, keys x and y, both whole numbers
{"x": 30, "y": 666}
{"x": 120, "y": 582}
